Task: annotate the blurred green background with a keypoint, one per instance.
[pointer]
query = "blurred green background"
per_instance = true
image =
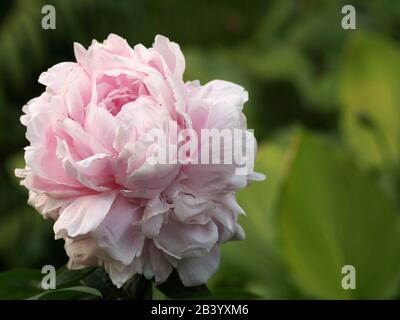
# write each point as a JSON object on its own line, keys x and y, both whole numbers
{"x": 325, "y": 107}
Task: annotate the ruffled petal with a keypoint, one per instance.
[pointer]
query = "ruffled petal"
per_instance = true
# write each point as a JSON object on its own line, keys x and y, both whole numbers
{"x": 197, "y": 271}
{"x": 186, "y": 240}
{"x": 83, "y": 215}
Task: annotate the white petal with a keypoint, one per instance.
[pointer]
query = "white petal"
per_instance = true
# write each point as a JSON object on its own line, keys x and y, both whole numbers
{"x": 81, "y": 252}
{"x": 160, "y": 265}
{"x": 83, "y": 215}
{"x": 186, "y": 240}
{"x": 116, "y": 235}
{"x": 172, "y": 55}
{"x": 193, "y": 209}
{"x": 120, "y": 273}
{"x": 196, "y": 271}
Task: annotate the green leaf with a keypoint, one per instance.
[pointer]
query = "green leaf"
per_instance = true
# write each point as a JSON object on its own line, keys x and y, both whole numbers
{"x": 26, "y": 284}
{"x": 67, "y": 277}
{"x": 371, "y": 100}
{"x": 67, "y": 293}
{"x": 174, "y": 288}
{"x": 20, "y": 283}
{"x": 333, "y": 215}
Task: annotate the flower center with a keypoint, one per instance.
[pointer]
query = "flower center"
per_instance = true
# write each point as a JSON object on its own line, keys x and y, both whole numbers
{"x": 116, "y": 91}
{"x": 116, "y": 99}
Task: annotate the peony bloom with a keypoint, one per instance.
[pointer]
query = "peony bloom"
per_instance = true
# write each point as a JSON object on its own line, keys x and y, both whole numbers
{"x": 87, "y": 168}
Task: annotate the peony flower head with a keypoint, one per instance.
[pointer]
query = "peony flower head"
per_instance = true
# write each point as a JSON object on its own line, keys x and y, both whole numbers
{"x": 88, "y": 168}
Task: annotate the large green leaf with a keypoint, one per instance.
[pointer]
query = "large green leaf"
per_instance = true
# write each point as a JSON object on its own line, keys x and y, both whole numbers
{"x": 371, "y": 100}
{"x": 78, "y": 292}
{"x": 26, "y": 284}
{"x": 66, "y": 277}
{"x": 332, "y": 215}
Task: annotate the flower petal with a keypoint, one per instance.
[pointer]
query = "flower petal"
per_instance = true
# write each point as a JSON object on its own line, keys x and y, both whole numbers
{"x": 83, "y": 215}
{"x": 197, "y": 271}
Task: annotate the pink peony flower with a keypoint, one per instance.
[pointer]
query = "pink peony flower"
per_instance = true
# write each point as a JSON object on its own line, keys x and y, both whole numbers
{"x": 87, "y": 168}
